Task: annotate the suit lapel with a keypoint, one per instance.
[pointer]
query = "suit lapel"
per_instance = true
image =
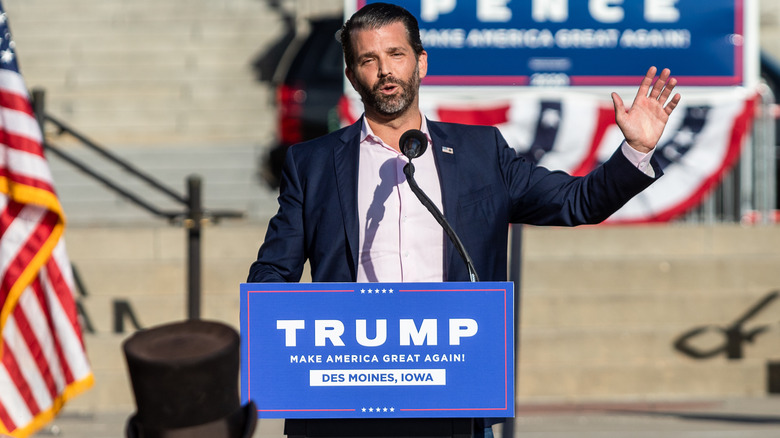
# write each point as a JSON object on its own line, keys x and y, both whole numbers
{"x": 448, "y": 174}
{"x": 345, "y": 162}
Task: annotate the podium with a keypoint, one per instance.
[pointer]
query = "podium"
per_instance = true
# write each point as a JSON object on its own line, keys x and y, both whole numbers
{"x": 378, "y": 359}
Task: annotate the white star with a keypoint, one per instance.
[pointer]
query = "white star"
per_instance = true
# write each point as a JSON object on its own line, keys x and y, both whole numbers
{"x": 391, "y": 291}
{"x": 6, "y": 56}
{"x": 551, "y": 118}
{"x": 377, "y": 409}
{"x": 671, "y": 154}
{"x": 370, "y": 409}
{"x": 684, "y": 137}
{"x": 364, "y": 409}
{"x": 3, "y": 18}
{"x": 698, "y": 112}
{"x": 392, "y": 409}
{"x": 384, "y": 291}
{"x": 384, "y": 410}
{"x": 362, "y": 291}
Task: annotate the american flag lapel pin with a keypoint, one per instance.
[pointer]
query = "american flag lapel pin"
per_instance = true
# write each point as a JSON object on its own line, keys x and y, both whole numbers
{"x": 447, "y": 150}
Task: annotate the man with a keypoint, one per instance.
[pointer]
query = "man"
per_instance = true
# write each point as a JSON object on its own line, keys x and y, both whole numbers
{"x": 346, "y": 207}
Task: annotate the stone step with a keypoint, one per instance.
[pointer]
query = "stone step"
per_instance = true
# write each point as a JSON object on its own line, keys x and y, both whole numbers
{"x": 593, "y": 242}
{"x": 228, "y": 178}
{"x": 107, "y": 8}
{"x": 588, "y": 346}
{"x": 642, "y": 309}
{"x": 647, "y": 382}
{"x": 145, "y": 129}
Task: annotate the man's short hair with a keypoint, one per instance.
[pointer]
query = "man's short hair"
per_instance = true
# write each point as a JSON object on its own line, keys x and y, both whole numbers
{"x": 374, "y": 16}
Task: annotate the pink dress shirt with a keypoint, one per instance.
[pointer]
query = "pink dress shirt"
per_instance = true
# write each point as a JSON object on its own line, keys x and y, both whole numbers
{"x": 400, "y": 241}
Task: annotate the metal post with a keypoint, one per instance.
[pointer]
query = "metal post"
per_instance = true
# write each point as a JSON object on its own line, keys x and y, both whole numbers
{"x": 38, "y": 102}
{"x": 765, "y": 155}
{"x": 515, "y": 274}
{"x": 193, "y": 224}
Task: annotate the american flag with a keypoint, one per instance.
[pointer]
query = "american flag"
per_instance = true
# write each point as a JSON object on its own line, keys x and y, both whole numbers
{"x": 43, "y": 362}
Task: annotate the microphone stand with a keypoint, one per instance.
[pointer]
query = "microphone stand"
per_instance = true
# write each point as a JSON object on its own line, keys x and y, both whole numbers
{"x": 426, "y": 201}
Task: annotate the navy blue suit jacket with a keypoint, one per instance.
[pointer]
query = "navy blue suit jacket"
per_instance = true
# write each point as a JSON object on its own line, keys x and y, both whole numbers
{"x": 484, "y": 186}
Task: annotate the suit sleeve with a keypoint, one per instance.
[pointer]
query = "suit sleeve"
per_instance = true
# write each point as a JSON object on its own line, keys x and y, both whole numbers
{"x": 539, "y": 196}
{"x": 281, "y": 256}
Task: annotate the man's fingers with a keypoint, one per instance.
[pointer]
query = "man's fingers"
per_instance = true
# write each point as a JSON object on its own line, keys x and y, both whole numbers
{"x": 658, "y": 86}
{"x": 620, "y": 108}
{"x": 672, "y": 104}
{"x": 667, "y": 90}
{"x": 647, "y": 81}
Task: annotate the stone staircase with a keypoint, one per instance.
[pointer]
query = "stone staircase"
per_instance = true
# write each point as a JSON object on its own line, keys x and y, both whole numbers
{"x": 166, "y": 85}
{"x": 148, "y": 72}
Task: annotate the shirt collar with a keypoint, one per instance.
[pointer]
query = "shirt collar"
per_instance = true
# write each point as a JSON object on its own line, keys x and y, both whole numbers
{"x": 366, "y": 134}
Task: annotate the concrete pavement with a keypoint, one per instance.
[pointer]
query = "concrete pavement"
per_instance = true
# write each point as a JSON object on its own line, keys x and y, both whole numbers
{"x": 722, "y": 418}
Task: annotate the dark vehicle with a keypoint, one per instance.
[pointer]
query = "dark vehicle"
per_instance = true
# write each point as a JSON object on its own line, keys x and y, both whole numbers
{"x": 309, "y": 84}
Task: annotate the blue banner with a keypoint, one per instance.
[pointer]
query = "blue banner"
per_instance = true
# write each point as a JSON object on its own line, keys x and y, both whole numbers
{"x": 578, "y": 42}
{"x": 378, "y": 350}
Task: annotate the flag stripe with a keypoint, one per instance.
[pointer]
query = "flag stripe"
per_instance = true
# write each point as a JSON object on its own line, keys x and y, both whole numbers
{"x": 44, "y": 378}
{"x": 14, "y": 233}
{"x": 44, "y": 331}
{"x": 26, "y": 150}
{"x": 54, "y": 286}
{"x": 26, "y": 365}
{"x": 11, "y": 366}
{"x": 12, "y": 82}
{"x": 6, "y": 423}
{"x": 57, "y": 332}
{"x": 16, "y": 102}
{"x": 37, "y": 232}
{"x": 13, "y": 410}
{"x": 20, "y": 124}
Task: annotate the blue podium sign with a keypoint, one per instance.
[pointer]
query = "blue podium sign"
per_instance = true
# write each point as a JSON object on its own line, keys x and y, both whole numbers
{"x": 378, "y": 350}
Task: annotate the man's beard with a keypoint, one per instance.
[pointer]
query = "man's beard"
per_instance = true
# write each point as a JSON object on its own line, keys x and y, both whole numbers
{"x": 395, "y": 104}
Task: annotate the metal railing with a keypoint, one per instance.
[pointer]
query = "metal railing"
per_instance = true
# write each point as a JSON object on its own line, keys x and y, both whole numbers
{"x": 192, "y": 216}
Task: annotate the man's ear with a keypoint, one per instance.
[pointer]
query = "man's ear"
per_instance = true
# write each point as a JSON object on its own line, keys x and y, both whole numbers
{"x": 422, "y": 63}
{"x": 350, "y": 76}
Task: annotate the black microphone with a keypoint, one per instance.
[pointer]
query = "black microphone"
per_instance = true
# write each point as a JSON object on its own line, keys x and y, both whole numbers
{"x": 413, "y": 144}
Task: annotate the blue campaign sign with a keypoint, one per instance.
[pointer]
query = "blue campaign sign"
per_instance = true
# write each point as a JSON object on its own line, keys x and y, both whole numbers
{"x": 578, "y": 42}
{"x": 378, "y": 350}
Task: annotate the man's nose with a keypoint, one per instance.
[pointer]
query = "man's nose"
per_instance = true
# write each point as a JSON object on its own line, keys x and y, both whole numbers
{"x": 384, "y": 69}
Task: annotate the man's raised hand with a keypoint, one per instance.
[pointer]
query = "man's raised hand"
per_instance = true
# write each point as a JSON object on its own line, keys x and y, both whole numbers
{"x": 643, "y": 123}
